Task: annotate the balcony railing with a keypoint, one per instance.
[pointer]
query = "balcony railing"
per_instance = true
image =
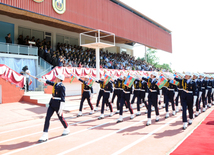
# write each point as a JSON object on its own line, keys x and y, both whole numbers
{"x": 18, "y": 49}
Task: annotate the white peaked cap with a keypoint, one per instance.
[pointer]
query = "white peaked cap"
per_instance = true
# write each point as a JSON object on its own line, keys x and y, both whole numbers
{"x": 60, "y": 76}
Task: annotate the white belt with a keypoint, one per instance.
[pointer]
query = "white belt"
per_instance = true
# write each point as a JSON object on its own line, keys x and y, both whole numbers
{"x": 209, "y": 87}
{"x": 142, "y": 90}
{"x": 153, "y": 91}
{"x": 101, "y": 89}
{"x": 56, "y": 98}
{"x": 136, "y": 89}
{"x": 117, "y": 88}
{"x": 126, "y": 91}
{"x": 87, "y": 90}
{"x": 180, "y": 89}
{"x": 188, "y": 91}
{"x": 107, "y": 91}
{"x": 170, "y": 89}
{"x": 203, "y": 87}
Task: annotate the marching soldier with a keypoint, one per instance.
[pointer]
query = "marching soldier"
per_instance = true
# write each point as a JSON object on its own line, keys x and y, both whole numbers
{"x": 144, "y": 94}
{"x": 209, "y": 88}
{"x": 100, "y": 92}
{"x": 212, "y": 96}
{"x": 198, "y": 93}
{"x": 117, "y": 92}
{"x": 189, "y": 98}
{"x": 153, "y": 97}
{"x": 125, "y": 99}
{"x": 171, "y": 94}
{"x": 87, "y": 94}
{"x": 108, "y": 88}
{"x": 56, "y": 104}
{"x": 204, "y": 92}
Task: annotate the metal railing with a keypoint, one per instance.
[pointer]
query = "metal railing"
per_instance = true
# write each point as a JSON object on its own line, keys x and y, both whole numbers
{"x": 44, "y": 64}
{"x": 18, "y": 49}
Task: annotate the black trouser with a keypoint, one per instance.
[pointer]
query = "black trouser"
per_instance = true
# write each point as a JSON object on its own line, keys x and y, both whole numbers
{"x": 164, "y": 92}
{"x": 137, "y": 94}
{"x": 203, "y": 98}
{"x": 142, "y": 96}
{"x": 85, "y": 95}
{"x": 51, "y": 109}
{"x": 99, "y": 97}
{"x": 27, "y": 84}
{"x": 125, "y": 99}
{"x": 106, "y": 101}
{"x": 134, "y": 96}
{"x": 197, "y": 102}
{"x": 153, "y": 98}
{"x": 117, "y": 92}
{"x": 187, "y": 103}
{"x": 209, "y": 95}
{"x": 179, "y": 95}
{"x": 170, "y": 98}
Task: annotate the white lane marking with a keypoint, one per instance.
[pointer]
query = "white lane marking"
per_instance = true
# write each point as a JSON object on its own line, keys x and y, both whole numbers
{"x": 41, "y": 132}
{"x": 172, "y": 150}
{"x": 18, "y": 150}
{"x": 95, "y": 140}
{"x": 144, "y": 137}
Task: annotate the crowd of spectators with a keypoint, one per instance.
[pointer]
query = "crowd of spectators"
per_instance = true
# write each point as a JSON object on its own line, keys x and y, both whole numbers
{"x": 74, "y": 56}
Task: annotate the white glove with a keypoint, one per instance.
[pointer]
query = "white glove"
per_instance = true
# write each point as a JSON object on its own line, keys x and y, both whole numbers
{"x": 77, "y": 77}
{"x": 158, "y": 98}
{"x": 146, "y": 96}
{"x": 206, "y": 91}
{"x": 91, "y": 96}
{"x": 176, "y": 94}
{"x": 212, "y": 90}
{"x": 62, "y": 105}
{"x": 42, "y": 80}
{"x": 200, "y": 93}
{"x": 160, "y": 91}
{"x": 194, "y": 100}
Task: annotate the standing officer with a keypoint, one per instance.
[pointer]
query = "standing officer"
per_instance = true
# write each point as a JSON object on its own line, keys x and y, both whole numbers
{"x": 144, "y": 94}
{"x": 212, "y": 96}
{"x": 180, "y": 90}
{"x": 57, "y": 104}
{"x": 101, "y": 82}
{"x": 107, "y": 95}
{"x": 87, "y": 94}
{"x": 209, "y": 88}
{"x": 125, "y": 99}
{"x": 189, "y": 96}
{"x": 153, "y": 96}
{"x": 117, "y": 92}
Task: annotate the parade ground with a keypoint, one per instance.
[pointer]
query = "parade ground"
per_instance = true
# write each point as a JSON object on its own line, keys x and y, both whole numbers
{"x": 22, "y": 125}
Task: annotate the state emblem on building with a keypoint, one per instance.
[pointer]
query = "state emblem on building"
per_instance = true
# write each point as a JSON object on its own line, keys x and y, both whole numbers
{"x": 59, "y": 6}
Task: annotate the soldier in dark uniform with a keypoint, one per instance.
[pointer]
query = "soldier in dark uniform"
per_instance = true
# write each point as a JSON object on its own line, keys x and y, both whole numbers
{"x": 189, "y": 94}
{"x": 87, "y": 94}
{"x": 204, "y": 92}
{"x": 212, "y": 96}
{"x": 144, "y": 94}
{"x": 153, "y": 96}
{"x": 117, "y": 92}
{"x": 125, "y": 99}
{"x": 56, "y": 104}
{"x": 180, "y": 90}
{"x": 209, "y": 88}
{"x": 198, "y": 92}
{"x": 101, "y": 82}
{"x": 107, "y": 95}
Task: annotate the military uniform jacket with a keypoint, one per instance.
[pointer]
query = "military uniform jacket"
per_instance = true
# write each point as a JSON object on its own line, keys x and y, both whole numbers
{"x": 101, "y": 82}
{"x": 203, "y": 84}
{"x": 152, "y": 85}
{"x": 118, "y": 83}
{"x": 198, "y": 85}
{"x": 125, "y": 88}
{"x": 171, "y": 87}
{"x": 137, "y": 84}
{"x": 190, "y": 87}
{"x": 144, "y": 86}
{"x": 108, "y": 88}
{"x": 212, "y": 83}
{"x": 209, "y": 84}
{"x": 180, "y": 82}
{"x": 86, "y": 87}
{"x": 58, "y": 91}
